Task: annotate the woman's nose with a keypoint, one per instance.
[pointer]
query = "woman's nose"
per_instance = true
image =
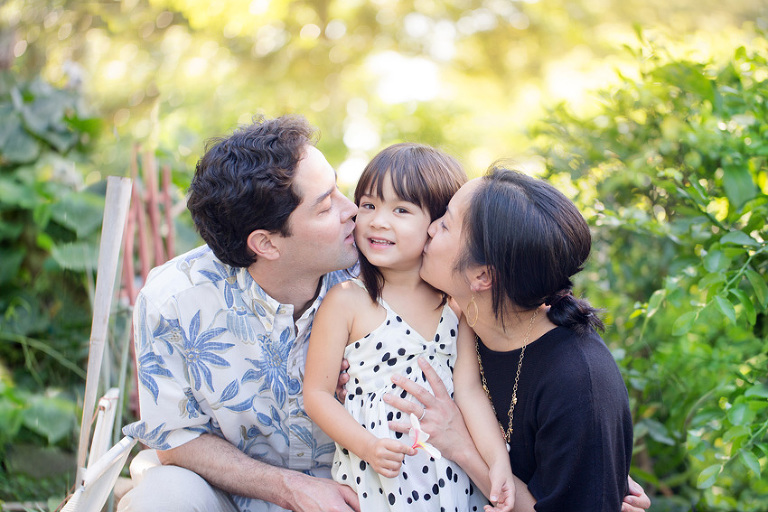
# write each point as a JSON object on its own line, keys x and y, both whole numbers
{"x": 432, "y": 228}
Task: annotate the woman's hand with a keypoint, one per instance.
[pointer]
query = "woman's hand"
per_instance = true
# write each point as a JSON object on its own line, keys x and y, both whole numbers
{"x": 636, "y": 500}
{"x": 440, "y": 417}
{"x": 341, "y": 390}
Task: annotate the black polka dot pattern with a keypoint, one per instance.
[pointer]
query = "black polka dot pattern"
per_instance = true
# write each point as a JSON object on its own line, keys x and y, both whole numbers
{"x": 424, "y": 483}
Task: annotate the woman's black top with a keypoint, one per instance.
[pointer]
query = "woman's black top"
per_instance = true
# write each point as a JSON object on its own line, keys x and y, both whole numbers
{"x": 572, "y": 440}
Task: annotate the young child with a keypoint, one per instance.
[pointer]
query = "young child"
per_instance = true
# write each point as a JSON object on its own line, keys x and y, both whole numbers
{"x": 381, "y": 323}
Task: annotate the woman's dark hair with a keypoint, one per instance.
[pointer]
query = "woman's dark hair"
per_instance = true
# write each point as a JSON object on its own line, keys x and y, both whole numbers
{"x": 419, "y": 174}
{"x": 244, "y": 182}
{"x": 533, "y": 239}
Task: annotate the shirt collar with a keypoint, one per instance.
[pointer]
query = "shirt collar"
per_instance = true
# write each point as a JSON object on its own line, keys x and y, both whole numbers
{"x": 266, "y": 307}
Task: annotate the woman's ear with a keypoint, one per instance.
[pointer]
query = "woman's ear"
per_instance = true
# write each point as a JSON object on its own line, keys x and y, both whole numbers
{"x": 262, "y": 243}
{"x": 480, "y": 279}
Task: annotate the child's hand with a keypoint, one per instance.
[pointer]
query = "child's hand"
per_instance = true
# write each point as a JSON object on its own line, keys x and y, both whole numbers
{"x": 502, "y": 496}
{"x": 386, "y": 456}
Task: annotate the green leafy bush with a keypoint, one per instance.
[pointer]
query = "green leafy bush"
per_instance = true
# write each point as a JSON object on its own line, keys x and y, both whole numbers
{"x": 48, "y": 231}
{"x": 672, "y": 172}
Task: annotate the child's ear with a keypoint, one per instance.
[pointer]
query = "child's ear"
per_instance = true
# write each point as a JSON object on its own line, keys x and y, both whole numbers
{"x": 263, "y": 244}
{"x": 480, "y": 278}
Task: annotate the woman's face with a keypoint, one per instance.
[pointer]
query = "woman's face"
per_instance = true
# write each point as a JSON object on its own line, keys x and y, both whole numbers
{"x": 446, "y": 244}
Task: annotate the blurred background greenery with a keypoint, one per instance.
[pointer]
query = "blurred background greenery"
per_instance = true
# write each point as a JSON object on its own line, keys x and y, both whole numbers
{"x": 650, "y": 114}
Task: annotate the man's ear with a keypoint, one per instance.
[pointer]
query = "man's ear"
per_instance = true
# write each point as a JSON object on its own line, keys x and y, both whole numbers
{"x": 480, "y": 278}
{"x": 262, "y": 243}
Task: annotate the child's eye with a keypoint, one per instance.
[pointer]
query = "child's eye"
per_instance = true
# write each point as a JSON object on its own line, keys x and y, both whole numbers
{"x": 400, "y": 209}
{"x": 366, "y": 206}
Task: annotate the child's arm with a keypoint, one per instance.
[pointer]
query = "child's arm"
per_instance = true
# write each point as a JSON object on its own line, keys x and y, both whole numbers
{"x": 330, "y": 335}
{"x": 481, "y": 422}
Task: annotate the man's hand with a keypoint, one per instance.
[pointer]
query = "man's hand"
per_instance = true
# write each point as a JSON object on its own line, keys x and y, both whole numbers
{"x": 312, "y": 494}
{"x": 636, "y": 500}
{"x": 341, "y": 390}
{"x": 229, "y": 469}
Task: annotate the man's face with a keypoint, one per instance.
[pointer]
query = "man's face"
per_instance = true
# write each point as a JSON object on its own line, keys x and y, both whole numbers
{"x": 322, "y": 224}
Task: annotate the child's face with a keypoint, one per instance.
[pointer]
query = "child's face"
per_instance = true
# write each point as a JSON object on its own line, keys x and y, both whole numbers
{"x": 391, "y": 232}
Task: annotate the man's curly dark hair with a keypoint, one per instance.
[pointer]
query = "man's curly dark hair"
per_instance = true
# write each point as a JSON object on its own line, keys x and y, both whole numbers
{"x": 244, "y": 182}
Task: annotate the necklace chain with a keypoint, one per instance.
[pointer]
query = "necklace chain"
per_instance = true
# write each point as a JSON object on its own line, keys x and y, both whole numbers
{"x": 508, "y": 432}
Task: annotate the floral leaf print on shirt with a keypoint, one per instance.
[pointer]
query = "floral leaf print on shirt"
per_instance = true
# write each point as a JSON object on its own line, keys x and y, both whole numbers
{"x": 199, "y": 352}
{"x": 169, "y": 332}
{"x": 149, "y": 363}
{"x": 272, "y": 368}
{"x": 238, "y": 324}
{"x": 189, "y": 405}
{"x": 155, "y": 439}
{"x": 228, "y": 276}
{"x": 306, "y": 437}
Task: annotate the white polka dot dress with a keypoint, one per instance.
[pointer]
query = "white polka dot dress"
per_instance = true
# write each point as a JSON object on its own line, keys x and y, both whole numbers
{"x": 424, "y": 484}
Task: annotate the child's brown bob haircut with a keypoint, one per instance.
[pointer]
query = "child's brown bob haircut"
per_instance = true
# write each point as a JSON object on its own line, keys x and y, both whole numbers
{"x": 420, "y": 174}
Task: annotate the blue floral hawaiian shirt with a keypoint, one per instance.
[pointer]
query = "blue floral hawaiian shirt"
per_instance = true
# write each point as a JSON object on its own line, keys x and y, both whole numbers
{"x": 217, "y": 355}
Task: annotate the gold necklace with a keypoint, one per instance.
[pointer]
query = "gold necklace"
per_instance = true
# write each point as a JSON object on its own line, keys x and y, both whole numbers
{"x": 508, "y": 432}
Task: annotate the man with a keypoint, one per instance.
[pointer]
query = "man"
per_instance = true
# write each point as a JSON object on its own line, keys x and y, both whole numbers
{"x": 221, "y": 332}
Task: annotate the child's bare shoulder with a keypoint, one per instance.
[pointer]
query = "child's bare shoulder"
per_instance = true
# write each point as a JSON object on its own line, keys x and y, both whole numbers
{"x": 347, "y": 292}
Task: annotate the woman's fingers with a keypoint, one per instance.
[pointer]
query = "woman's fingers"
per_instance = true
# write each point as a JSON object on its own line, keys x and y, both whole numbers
{"x": 438, "y": 386}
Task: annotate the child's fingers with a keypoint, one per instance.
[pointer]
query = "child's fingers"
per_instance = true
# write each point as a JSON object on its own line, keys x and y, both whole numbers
{"x": 396, "y": 446}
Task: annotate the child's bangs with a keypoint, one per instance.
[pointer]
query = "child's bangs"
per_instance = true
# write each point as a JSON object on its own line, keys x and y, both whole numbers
{"x": 402, "y": 172}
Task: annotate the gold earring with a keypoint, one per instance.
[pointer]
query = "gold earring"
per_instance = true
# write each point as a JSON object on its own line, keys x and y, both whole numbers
{"x": 477, "y": 312}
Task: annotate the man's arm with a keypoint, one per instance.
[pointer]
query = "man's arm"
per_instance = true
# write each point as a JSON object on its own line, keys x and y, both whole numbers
{"x": 229, "y": 469}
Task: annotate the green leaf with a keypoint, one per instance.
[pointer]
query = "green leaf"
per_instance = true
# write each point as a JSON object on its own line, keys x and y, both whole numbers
{"x": 80, "y": 212}
{"x": 746, "y": 302}
{"x": 750, "y": 460}
{"x": 10, "y": 418}
{"x": 12, "y": 260}
{"x": 760, "y": 390}
{"x": 708, "y": 477}
{"x": 758, "y": 284}
{"x": 684, "y": 323}
{"x": 736, "y": 432}
{"x": 725, "y": 306}
{"x": 739, "y": 238}
{"x": 715, "y": 261}
{"x": 76, "y": 256}
{"x": 711, "y": 279}
{"x": 658, "y": 432}
{"x": 740, "y": 414}
{"x": 19, "y": 146}
{"x": 655, "y": 302}
{"x": 51, "y": 417}
{"x": 738, "y": 184}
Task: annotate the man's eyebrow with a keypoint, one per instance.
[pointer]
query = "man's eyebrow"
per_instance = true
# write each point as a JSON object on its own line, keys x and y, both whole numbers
{"x": 324, "y": 196}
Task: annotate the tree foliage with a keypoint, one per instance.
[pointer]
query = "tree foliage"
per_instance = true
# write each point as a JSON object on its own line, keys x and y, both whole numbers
{"x": 672, "y": 170}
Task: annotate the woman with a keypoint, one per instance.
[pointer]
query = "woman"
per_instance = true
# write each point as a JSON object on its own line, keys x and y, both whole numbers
{"x": 506, "y": 250}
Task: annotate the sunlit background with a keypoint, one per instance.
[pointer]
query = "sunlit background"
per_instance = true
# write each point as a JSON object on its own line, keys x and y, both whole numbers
{"x": 465, "y": 75}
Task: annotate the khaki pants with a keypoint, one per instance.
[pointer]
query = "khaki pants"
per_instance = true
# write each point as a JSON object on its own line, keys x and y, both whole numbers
{"x": 170, "y": 489}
